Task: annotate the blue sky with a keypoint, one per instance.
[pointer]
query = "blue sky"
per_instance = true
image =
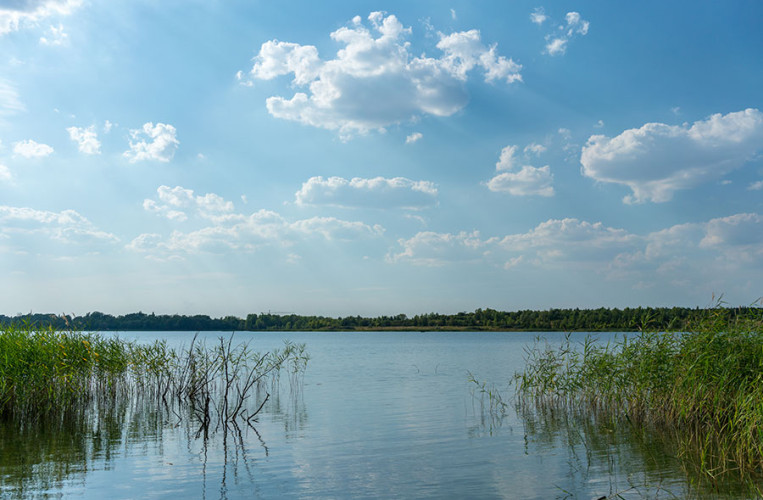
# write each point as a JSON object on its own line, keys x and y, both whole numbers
{"x": 340, "y": 158}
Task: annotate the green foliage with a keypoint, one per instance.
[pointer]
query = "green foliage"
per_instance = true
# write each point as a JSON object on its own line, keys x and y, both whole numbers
{"x": 704, "y": 385}
{"x": 46, "y": 373}
{"x": 589, "y": 320}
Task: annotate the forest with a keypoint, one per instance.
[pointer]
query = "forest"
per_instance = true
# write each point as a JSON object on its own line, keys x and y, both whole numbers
{"x": 587, "y": 320}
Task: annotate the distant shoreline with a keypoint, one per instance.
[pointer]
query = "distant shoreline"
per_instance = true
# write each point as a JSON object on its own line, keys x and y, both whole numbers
{"x": 484, "y": 320}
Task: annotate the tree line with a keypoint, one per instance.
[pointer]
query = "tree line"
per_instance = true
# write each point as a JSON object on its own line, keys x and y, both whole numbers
{"x": 590, "y": 320}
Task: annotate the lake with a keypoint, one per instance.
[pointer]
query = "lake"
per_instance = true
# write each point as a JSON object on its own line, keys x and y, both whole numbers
{"x": 378, "y": 414}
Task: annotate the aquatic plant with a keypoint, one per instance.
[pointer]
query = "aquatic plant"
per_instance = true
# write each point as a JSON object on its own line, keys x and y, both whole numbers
{"x": 703, "y": 386}
{"x": 47, "y": 374}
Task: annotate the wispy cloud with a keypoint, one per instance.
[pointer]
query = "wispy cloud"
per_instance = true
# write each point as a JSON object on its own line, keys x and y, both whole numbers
{"x": 414, "y": 137}
{"x": 557, "y": 41}
{"x": 19, "y": 13}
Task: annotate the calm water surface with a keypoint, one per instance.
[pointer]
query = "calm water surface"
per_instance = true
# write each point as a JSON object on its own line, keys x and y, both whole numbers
{"x": 385, "y": 415}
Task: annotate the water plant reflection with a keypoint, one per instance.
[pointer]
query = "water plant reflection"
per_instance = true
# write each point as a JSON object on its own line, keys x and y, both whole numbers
{"x": 70, "y": 400}
{"x": 697, "y": 393}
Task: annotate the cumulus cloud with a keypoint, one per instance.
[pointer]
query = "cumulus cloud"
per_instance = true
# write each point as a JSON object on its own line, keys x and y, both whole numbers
{"x": 528, "y": 180}
{"x": 556, "y": 241}
{"x": 741, "y": 232}
{"x": 374, "y": 81}
{"x": 173, "y": 203}
{"x": 66, "y": 226}
{"x": 19, "y": 13}
{"x": 723, "y": 253}
{"x": 508, "y": 159}
{"x": 32, "y": 149}
{"x": 432, "y": 249}
{"x": 414, "y": 137}
{"x": 250, "y": 232}
{"x": 556, "y": 42}
{"x": 571, "y": 239}
{"x": 657, "y": 159}
{"x": 717, "y": 250}
{"x": 755, "y": 186}
{"x": 535, "y": 148}
{"x": 574, "y": 241}
{"x": 225, "y": 230}
{"x": 378, "y": 192}
{"x": 86, "y": 139}
{"x": 152, "y": 142}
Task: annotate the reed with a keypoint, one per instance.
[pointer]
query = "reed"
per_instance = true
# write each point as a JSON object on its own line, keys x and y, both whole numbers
{"x": 704, "y": 386}
{"x": 51, "y": 374}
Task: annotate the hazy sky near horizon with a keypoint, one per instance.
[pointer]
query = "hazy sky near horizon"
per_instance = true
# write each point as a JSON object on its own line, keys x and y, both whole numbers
{"x": 340, "y": 158}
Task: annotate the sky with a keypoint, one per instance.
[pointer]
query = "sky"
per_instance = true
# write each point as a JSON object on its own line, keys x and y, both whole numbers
{"x": 227, "y": 157}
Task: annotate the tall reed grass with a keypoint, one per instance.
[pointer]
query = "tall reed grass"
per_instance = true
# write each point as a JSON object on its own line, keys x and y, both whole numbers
{"x": 47, "y": 373}
{"x": 703, "y": 386}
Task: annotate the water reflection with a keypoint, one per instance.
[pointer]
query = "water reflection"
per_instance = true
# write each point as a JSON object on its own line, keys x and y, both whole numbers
{"x": 609, "y": 457}
{"x": 55, "y": 457}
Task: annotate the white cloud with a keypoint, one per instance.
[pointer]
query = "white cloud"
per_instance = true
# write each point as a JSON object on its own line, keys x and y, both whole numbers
{"x": 571, "y": 239}
{"x": 717, "y": 250}
{"x": 281, "y": 58}
{"x": 414, "y": 137}
{"x": 464, "y": 51}
{"x": 86, "y": 139}
{"x": 429, "y": 248}
{"x": 173, "y": 201}
{"x": 722, "y": 254}
{"x": 755, "y": 186}
{"x": 508, "y": 159}
{"x": 32, "y": 149}
{"x": 740, "y": 231}
{"x": 527, "y": 182}
{"x": 29, "y": 12}
{"x": 556, "y": 242}
{"x": 246, "y": 233}
{"x": 5, "y": 173}
{"x": 66, "y": 226}
{"x": 657, "y": 159}
{"x": 453, "y": 14}
{"x": 556, "y": 42}
{"x": 378, "y": 192}
{"x": 152, "y": 142}
{"x": 374, "y": 81}
{"x": 56, "y": 36}
{"x": 535, "y": 148}
{"x": 538, "y": 16}
{"x": 576, "y": 24}
{"x": 556, "y": 46}
{"x": 333, "y": 228}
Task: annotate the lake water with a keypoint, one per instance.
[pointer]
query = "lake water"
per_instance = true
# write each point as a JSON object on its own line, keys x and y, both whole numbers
{"x": 382, "y": 415}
